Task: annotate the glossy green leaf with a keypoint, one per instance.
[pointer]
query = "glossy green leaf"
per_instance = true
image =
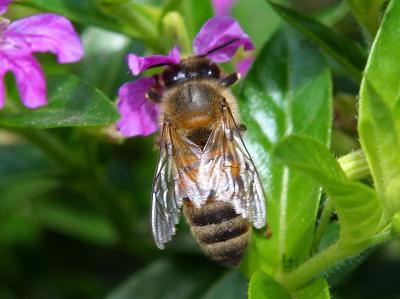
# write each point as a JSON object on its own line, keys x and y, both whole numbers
{"x": 233, "y": 285}
{"x": 165, "y": 279}
{"x": 357, "y": 205}
{"x": 264, "y": 287}
{"x": 267, "y": 20}
{"x": 318, "y": 289}
{"x": 343, "y": 50}
{"x": 379, "y": 111}
{"x": 287, "y": 91}
{"x": 72, "y": 102}
{"x": 367, "y": 13}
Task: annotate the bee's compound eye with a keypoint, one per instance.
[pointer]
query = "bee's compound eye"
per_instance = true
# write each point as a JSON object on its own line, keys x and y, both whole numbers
{"x": 171, "y": 77}
{"x": 210, "y": 71}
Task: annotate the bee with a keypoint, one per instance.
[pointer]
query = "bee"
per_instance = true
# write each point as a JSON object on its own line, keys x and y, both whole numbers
{"x": 204, "y": 170}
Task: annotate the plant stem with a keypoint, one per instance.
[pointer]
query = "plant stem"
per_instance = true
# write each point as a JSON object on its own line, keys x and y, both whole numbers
{"x": 51, "y": 146}
{"x": 335, "y": 253}
{"x": 323, "y": 223}
{"x": 354, "y": 165}
{"x": 316, "y": 265}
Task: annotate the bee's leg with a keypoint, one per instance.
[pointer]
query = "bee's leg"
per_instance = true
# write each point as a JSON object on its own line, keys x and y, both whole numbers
{"x": 157, "y": 142}
{"x": 242, "y": 128}
{"x": 230, "y": 80}
{"x": 153, "y": 95}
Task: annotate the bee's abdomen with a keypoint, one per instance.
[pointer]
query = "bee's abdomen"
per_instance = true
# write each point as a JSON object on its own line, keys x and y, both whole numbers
{"x": 221, "y": 232}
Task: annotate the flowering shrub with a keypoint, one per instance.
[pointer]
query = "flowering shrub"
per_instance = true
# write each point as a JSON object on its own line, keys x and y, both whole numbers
{"x": 321, "y": 106}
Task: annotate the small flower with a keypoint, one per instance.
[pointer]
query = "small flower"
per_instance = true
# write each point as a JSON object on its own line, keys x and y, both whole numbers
{"x": 222, "y": 7}
{"x": 4, "y": 5}
{"x": 218, "y": 39}
{"x": 39, "y": 33}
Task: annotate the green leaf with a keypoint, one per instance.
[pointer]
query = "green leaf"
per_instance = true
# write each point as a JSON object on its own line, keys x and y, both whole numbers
{"x": 318, "y": 289}
{"x": 169, "y": 280}
{"x": 396, "y": 224}
{"x": 367, "y": 13}
{"x": 233, "y": 285}
{"x": 72, "y": 102}
{"x": 196, "y": 13}
{"x": 379, "y": 110}
{"x": 85, "y": 12}
{"x": 357, "y": 205}
{"x": 288, "y": 90}
{"x": 267, "y": 20}
{"x": 342, "y": 49}
{"x": 82, "y": 225}
{"x": 140, "y": 19}
{"x": 264, "y": 287}
{"x": 106, "y": 50}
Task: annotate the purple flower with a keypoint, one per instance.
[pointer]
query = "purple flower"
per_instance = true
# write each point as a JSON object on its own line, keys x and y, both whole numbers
{"x": 222, "y": 7}
{"x": 142, "y": 113}
{"x": 243, "y": 65}
{"x": 4, "y": 5}
{"x": 218, "y": 39}
{"x": 38, "y": 33}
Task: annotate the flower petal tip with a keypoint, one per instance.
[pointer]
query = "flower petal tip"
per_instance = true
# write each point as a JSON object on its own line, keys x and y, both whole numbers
{"x": 243, "y": 65}
{"x": 4, "y": 6}
{"x": 138, "y": 64}
{"x": 219, "y": 39}
{"x": 47, "y": 33}
{"x": 222, "y": 7}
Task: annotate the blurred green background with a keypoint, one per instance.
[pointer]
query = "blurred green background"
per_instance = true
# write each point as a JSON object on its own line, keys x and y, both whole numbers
{"x": 71, "y": 232}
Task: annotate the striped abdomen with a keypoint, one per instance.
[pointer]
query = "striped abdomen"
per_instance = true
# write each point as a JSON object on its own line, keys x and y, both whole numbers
{"x": 220, "y": 231}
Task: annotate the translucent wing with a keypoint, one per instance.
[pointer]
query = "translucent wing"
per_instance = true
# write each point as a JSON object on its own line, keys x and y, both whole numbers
{"x": 227, "y": 169}
{"x": 175, "y": 179}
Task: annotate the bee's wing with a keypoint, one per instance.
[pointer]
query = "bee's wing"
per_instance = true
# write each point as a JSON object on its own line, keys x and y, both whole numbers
{"x": 165, "y": 207}
{"x": 227, "y": 169}
{"x": 174, "y": 180}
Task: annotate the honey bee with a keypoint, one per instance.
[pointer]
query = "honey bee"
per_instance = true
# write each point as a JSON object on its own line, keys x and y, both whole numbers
{"x": 204, "y": 169}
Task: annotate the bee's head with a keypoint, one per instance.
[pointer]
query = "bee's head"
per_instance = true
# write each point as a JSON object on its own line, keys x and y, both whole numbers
{"x": 190, "y": 68}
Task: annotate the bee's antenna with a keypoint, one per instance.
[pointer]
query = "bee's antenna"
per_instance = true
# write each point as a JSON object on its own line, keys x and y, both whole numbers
{"x": 230, "y": 80}
{"x": 222, "y": 46}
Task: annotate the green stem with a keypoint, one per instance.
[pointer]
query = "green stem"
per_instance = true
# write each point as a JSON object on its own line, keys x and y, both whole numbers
{"x": 314, "y": 266}
{"x": 96, "y": 184}
{"x": 51, "y": 146}
{"x": 355, "y": 165}
{"x": 323, "y": 223}
{"x": 102, "y": 191}
{"x": 332, "y": 255}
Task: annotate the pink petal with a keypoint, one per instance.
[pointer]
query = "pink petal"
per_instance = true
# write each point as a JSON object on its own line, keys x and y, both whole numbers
{"x": 2, "y": 91}
{"x": 222, "y": 7}
{"x": 29, "y": 77}
{"x": 30, "y": 80}
{"x": 219, "y": 38}
{"x": 46, "y": 32}
{"x": 243, "y": 65}
{"x": 4, "y": 5}
{"x": 138, "y": 64}
{"x": 139, "y": 116}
